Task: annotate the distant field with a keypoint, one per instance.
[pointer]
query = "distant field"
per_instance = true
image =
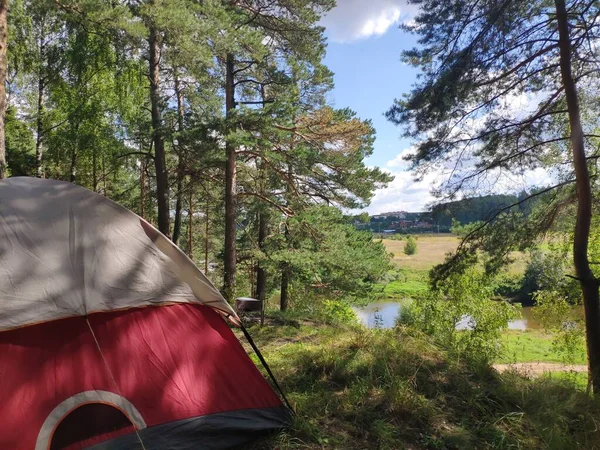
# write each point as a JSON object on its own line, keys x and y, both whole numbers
{"x": 432, "y": 249}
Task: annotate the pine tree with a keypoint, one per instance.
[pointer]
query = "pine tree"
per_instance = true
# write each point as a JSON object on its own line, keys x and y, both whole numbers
{"x": 477, "y": 58}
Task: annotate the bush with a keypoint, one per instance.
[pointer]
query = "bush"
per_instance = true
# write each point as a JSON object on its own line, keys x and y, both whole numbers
{"x": 546, "y": 272}
{"x": 410, "y": 248}
{"x": 338, "y": 312}
{"x": 465, "y": 300}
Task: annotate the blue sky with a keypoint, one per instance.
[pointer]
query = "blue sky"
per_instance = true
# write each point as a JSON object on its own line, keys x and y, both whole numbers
{"x": 364, "y": 50}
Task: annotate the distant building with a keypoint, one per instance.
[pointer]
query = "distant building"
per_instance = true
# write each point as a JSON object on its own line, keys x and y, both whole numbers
{"x": 398, "y": 214}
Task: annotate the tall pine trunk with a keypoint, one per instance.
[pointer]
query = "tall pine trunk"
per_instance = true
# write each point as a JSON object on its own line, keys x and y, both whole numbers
{"x": 190, "y": 246}
{"x": 180, "y": 162}
{"x": 261, "y": 273}
{"x": 587, "y": 280}
{"x": 162, "y": 179}
{"x": 286, "y": 275}
{"x": 74, "y": 156}
{"x": 285, "y": 283}
{"x": 39, "y": 140}
{"x": 142, "y": 187}
{"x": 206, "y": 235}
{"x": 3, "y": 45}
{"x": 230, "y": 187}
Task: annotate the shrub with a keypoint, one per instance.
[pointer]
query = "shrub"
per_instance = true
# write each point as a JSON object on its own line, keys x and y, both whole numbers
{"x": 338, "y": 312}
{"x": 410, "y": 248}
{"x": 462, "y": 316}
{"x": 546, "y": 272}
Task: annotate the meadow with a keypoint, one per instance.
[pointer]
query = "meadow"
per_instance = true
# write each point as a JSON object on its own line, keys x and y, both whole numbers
{"x": 520, "y": 347}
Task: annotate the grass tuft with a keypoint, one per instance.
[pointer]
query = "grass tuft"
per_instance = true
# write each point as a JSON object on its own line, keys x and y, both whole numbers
{"x": 392, "y": 389}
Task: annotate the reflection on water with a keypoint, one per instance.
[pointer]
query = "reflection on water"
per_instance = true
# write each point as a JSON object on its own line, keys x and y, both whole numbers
{"x": 384, "y": 314}
{"x": 379, "y": 314}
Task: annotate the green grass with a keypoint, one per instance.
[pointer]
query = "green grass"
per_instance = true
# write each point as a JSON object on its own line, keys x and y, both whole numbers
{"x": 410, "y": 283}
{"x": 393, "y": 389}
{"x": 534, "y": 346}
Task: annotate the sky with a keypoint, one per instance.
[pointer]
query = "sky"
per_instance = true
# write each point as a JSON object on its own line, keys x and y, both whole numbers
{"x": 364, "y": 49}
{"x": 365, "y": 44}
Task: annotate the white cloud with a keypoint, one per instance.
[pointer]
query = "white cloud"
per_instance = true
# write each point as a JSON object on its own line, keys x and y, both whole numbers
{"x": 406, "y": 194}
{"x": 357, "y": 19}
{"x": 399, "y": 160}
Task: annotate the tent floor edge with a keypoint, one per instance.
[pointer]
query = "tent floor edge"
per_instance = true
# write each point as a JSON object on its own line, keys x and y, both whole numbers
{"x": 224, "y": 430}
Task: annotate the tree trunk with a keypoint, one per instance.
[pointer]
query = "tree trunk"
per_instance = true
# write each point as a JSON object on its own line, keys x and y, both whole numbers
{"x": 3, "y": 45}
{"x": 162, "y": 179}
{"x": 230, "y": 188}
{"x": 180, "y": 163}
{"x": 94, "y": 170}
{"x": 190, "y": 247}
{"x": 285, "y": 282}
{"x": 73, "y": 171}
{"x": 261, "y": 273}
{"x": 206, "y": 240}
{"x": 104, "y": 188}
{"x": 142, "y": 187}
{"x": 587, "y": 280}
{"x": 39, "y": 140}
{"x": 74, "y": 156}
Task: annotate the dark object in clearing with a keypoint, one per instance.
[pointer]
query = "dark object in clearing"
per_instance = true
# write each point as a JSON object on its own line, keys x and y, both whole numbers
{"x": 247, "y": 304}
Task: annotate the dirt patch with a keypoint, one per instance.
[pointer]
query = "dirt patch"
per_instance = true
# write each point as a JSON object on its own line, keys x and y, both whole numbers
{"x": 539, "y": 368}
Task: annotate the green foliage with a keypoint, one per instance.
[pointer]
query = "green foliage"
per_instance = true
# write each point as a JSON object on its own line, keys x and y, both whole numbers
{"x": 556, "y": 315}
{"x": 20, "y": 145}
{"x": 463, "y": 316}
{"x": 338, "y": 312}
{"x": 354, "y": 387}
{"x": 464, "y": 230}
{"x": 410, "y": 248}
{"x": 329, "y": 257}
{"x": 546, "y": 271}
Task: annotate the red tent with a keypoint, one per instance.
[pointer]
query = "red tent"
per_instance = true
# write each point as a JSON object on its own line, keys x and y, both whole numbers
{"x": 110, "y": 337}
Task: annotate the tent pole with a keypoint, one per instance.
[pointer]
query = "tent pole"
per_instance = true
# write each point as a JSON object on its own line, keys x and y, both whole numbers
{"x": 266, "y": 366}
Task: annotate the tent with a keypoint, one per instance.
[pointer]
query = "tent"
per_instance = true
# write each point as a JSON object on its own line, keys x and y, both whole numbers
{"x": 110, "y": 337}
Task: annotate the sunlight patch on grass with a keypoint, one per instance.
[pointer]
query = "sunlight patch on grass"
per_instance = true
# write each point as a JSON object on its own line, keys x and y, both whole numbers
{"x": 534, "y": 346}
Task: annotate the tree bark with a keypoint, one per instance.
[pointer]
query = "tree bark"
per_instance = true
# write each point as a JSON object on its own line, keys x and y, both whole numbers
{"x": 261, "y": 273}
{"x": 94, "y": 170}
{"x": 180, "y": 162}
{"x": 3, "y": 45}
{"x": 285, "y": 282}
{"x": 74, "y": 156}
{"x": 206, "y": 240}
{"x": 587, "y": 280}
{"x": 142, "y": 187}
{"x": 190, "y": 247}
{"x": 39, "y": 140}
{"x": 230, "y": 188}
{"x": 162, "y": 179}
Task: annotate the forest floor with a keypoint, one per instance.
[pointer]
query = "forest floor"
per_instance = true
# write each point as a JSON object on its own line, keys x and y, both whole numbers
{"x": 354, "y": 388}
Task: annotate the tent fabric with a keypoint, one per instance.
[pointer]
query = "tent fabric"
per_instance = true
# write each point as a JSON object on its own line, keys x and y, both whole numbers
{"x": 66, "y": 251}
{"x": 179, "y": 364}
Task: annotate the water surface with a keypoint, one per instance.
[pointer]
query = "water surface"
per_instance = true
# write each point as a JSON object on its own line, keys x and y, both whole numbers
{"x": 384, "y": 314}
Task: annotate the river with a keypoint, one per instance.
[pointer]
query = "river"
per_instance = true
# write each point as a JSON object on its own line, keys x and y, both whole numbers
{"x": 384, "y": 314}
